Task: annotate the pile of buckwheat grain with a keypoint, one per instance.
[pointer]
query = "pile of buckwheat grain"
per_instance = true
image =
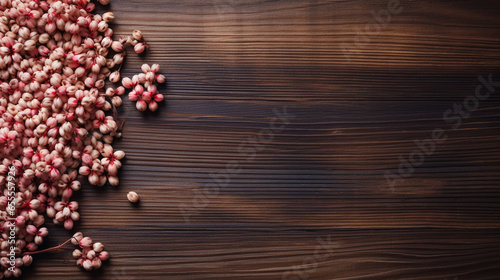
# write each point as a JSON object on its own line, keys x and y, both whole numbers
{"x": 56, "y": 59}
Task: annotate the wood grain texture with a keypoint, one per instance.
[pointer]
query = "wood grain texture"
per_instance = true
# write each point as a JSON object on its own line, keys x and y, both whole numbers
{"x": 230, "y": 65}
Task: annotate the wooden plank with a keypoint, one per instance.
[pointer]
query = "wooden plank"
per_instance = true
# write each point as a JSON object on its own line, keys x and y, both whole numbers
{"x": 265, "y": 253}
{"x": 293, "y": 50}
{"x": 231, "y": 66}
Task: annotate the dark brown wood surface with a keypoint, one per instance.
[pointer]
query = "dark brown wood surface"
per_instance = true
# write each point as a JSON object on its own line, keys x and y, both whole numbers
{"x": 312, "y": 202}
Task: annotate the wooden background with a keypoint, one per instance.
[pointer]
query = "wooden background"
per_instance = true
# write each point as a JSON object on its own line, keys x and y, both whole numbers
{"x": 229, "y": 64}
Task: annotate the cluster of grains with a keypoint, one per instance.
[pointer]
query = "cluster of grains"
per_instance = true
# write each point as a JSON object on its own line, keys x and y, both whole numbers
{"x": 91, "y": 255}
{"x": 144, "y": 88}
{"x": 55, "y": 124}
